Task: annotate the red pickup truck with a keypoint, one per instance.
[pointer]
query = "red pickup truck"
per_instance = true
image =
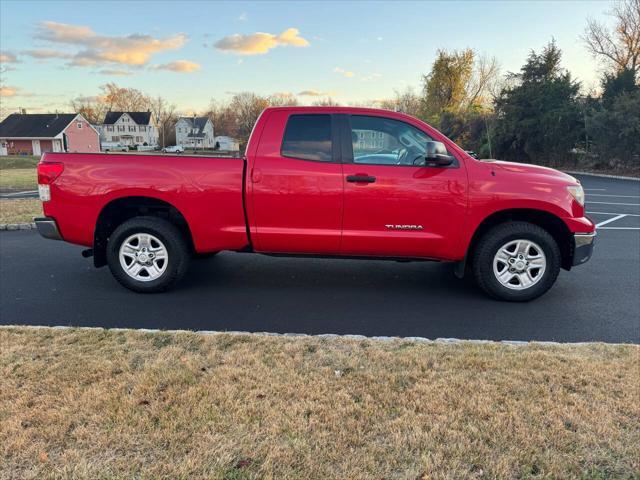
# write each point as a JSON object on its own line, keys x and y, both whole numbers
{"x": 321, "y": 181}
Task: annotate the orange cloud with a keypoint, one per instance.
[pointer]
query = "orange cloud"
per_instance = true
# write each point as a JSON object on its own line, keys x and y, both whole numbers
{"x": 344, "y": 73}
{"x": 314, "y": 93}
{"x": 180, "y": 66}
{"x": 134, "y": 50}
{"x": 8, "y": 91}
{"x": 260, "y": 43}
{"x": 6, "y": 57}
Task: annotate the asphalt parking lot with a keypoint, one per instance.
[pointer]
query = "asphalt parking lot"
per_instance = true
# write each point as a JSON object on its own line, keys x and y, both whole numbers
{"x": 49, "y": 283}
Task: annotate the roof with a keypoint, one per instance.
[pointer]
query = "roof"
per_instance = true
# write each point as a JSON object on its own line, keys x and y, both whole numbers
{"x": 196, "y": 122}
{"x": 35, "y": 125}
{"x": 141, "y": 118}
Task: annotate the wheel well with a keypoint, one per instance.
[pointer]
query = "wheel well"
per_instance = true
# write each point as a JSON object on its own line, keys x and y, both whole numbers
{"x": 118, "y": 211}
{"x": 552, "y": 224}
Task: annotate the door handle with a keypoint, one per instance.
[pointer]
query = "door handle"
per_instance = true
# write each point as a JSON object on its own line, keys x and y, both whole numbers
{"x": 360, "y": 179}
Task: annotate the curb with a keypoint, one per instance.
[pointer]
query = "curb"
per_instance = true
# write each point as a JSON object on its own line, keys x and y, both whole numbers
{"x": 328, "y": 336}
{"x": 18, "y": 226}
{"x": 602, "y": 175}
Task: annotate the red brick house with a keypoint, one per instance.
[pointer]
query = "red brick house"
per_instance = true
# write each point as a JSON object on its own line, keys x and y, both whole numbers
{"x": 34, "y": 134}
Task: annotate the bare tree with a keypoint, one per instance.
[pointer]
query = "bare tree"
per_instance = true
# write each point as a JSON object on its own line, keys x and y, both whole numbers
{"x": 164, "y": 115}
{"x": 620, "y": 47}
{"x": 123, "y": 99}
{"x": 405, "y": 101}
{"x": 326, "y": 102}
{"x": 91, "y": 108}
{"x": 284, "y": 99}
{"x": 483, "y": 83}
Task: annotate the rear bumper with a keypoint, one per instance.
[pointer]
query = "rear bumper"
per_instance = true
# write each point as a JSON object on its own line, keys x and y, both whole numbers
{"x": 48, "y": 228}
{"x": 583, "y": 247}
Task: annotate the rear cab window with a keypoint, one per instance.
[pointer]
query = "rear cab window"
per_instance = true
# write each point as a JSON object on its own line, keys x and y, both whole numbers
{"x": 308, "y": 137}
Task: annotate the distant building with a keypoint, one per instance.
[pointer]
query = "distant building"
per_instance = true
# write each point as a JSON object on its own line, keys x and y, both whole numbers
{"x": 194, "y": 132}
{"x": 128, "y": 128}
{"x": 226, "y": 144}
{"x": 37, "y": 133}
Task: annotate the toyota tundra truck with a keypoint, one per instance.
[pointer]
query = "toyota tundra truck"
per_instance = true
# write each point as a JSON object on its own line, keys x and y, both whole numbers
{"x": 322, "y": 182}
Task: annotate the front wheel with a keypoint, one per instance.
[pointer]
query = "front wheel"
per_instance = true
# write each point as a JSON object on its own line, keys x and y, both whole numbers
{"x": 147, "y": 254}
{"x": 516, "y": 261}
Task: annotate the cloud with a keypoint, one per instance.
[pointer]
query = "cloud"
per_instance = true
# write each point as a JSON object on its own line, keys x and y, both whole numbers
{"x": 6, "y": 57}
{"x": 260, "y": 43}
{"x": 8, "y": 91}
{"x": 133, "y": 50}
{"x": 46, "y": 53}
{"x": 314, "y": 93}
{"x": 179, "y": 66}
{"x": 115, "y": 72}
{"x": 344, "y": 73}
{"x": 373, "y": 76}
{"x": 242, "y": 17}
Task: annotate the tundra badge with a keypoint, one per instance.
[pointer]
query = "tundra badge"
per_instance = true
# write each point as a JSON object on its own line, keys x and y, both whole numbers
{"x": 403, "y": 227}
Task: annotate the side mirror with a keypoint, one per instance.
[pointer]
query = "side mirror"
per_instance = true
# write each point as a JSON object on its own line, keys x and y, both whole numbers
{"x": 436, "y": 155}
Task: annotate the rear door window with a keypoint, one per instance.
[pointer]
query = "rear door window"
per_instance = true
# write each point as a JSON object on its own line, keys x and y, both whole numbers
{"x": 308, "y": 137}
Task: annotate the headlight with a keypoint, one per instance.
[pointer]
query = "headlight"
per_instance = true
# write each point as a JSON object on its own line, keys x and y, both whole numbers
{"x": 578, "y": 193}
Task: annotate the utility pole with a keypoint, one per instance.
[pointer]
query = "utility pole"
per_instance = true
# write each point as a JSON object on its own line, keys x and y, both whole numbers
{"x": 486, "y": 126}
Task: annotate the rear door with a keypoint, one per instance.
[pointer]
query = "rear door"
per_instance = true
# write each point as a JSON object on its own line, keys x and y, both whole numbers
{"x": 297, "y": 185}
{"x": 394, "y": 204}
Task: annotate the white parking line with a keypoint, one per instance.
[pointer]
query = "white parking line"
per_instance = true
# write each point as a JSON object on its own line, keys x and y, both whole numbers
{"x": 611, "y": 213}
{"x": 610, "y": 203}
{"x": 598, "y": 225}
{"x": 619, "y": 228}
{"x": 619, "y": 196}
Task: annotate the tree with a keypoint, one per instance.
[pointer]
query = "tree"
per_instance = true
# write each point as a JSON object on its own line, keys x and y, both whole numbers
{"x": 445, "y": 87}
{"x": 539, "y": 117}
{"x": 459, "y": 82}
{"x": 406, "y": 101}
{"x": 111, "y": 98}
{"x": 163, "y": 114}
{"x": 615, "y": 130}
{"x": 620, "y": 47}
{"x": 615, "y": 84}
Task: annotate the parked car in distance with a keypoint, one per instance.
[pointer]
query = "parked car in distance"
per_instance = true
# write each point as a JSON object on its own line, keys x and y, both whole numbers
{"x": 113, "y": 147}
{"x": 322, "y": 181}
{"x": 173, "y": 149}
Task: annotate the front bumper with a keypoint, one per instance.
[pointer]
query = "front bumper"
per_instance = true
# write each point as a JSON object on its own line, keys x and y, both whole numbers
{"x": 48, "y": 228}
{"x": 583, "y": 247}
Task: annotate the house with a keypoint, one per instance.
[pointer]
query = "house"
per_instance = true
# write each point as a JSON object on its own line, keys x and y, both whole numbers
{"x": 34, "y": 134}
{"x": 226, "y": 144}
{"x": 128, "y": 128}
{"x": 194, "y": 132}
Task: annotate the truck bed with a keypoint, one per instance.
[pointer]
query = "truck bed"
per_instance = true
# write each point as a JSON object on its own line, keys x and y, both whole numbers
{"x": 207, "y": 192}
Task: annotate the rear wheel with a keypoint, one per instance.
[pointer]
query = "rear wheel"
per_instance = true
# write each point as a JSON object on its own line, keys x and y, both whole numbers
{"x": 516, "y": 261}
{"x": 147, "y": 254}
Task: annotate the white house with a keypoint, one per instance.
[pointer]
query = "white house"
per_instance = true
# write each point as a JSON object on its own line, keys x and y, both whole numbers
{"x": 128, "y": 128}
{"x": 194, "y": 132}
{"x": 226, "y": 144}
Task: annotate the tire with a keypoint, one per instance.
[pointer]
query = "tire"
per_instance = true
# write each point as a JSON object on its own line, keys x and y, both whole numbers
{"x": 511, "y": 255}
{"x": 165, "y": 260}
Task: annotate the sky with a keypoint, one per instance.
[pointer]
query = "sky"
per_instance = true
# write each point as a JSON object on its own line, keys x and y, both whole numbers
{"x": 192, "y": 52}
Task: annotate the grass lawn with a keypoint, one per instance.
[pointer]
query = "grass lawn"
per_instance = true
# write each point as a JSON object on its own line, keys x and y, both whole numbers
{"x": 18, "y": 161}
{"x": 123, "y": 404}
{"x": 18, "y": 172}
{"x": 19, "y": 210}
{"x": 18, "y": 179}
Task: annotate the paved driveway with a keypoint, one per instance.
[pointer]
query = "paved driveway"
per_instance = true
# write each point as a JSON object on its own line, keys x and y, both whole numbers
{"x": 48, "y": 283}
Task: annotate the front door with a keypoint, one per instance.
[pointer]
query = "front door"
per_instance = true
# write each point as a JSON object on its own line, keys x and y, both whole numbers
{"x": 35, "y": 144}
{"x": 296, "y": 185}
{"x": 395, "y": 205}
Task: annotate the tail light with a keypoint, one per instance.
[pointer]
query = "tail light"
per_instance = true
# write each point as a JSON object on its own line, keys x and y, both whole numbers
{"x": 47, "y": 174}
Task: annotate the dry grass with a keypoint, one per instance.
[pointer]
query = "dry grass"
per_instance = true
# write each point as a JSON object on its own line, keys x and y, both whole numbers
{"x": 18, "y": 161}
{"x": 19, "y": 210}
{"x": 123, "y": 404}
{"x": 18, "y": 179}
